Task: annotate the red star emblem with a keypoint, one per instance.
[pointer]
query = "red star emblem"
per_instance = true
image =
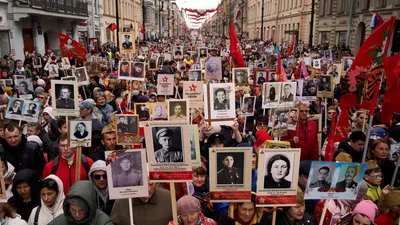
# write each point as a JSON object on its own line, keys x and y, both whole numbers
{"x": 165, "y": 79}
{"x": 261, "y": 200}
{"x": 156, "y": 176}
{"x": 192, "y": 87}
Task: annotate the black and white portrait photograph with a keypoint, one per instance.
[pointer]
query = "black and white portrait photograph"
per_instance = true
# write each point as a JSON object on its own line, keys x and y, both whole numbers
{"x": 6, "y": 83}
{"x": 241, "y": 75}
{"x": 65, "y": 63}
{"x": 221, "y": 99}
{"x": 347, "y": 62}
{"x": 195, "y": 146}
{"x": 213, "y": 68}
{"x": 349, "y": 177}
{"x": 127, "y": 42}
{"x": 53, "y": 70}
{"x": 178, "y": 110}
{"x": 261, "y": 77}
{"x": 138, "y": 71}
{"x": 31, "y": 109}
{"x": 309, "y": 89}
{"x": 280, "y": 121}
{"x": 288, "y": 94}
{"x": 124, "y": 71}
{"x": 168, "y": 144}
{"x": 278, "y": 170}
{"x": 80, "y": 133}
{"x": 127, "y": 129}
{"x": 203, "y": 52}
{"x": 143, "y": 111}
{"x": 230, "y": 168}
{"x": 81, "y": 76}
{"x": 292, "y": 118}
{"x": 248, "y": 105}
{"x": 195, "y": 75}
{"x": 15, "y": 106}
{"x": 325, "y": 86}
{"x": 159, "y": 111}
{"x": 161, "y": 61}
{"x": 127, "y": 170}
{"x": 317, "y": 63}
{"x": 328, "y": 54}
{"x": 334, "y": 71}
{"x": 322, "y": 176}
{"x": 127, "y": 173}
{"x": 178, "y": 52}
{"x": 65, "y": 97}
{"x": 25, "y": 88}
{"x": 271, "y": 94}
{"x": 153, "y": 64}
{"x": 37, "y": 62}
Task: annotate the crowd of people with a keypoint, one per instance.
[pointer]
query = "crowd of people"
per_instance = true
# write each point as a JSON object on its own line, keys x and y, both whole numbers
{"x": 38, "y": 165}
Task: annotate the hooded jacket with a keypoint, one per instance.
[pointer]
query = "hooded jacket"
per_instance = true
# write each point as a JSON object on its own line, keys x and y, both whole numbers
{"x": 47, "y": 214}
{"x": 103, "y": 200}
{"x": 85, "y": 191}
{"x": 24, "y": 208}
{"x": 344, "y": 146}
{"x": 9, "y": 174}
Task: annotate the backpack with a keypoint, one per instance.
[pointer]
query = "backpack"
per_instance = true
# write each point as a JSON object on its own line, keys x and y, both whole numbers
{"x": 57, "y": 161}
{"x": 35, "y": 222}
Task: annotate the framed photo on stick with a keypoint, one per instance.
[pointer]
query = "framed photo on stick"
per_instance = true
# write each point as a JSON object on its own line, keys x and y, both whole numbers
{"x": 219, "y": 104}
{"x": 277, "y": 177}
{"x": 325, "y": 86}
{"x": 241, "y": 76}
{"x": 127, "y": 172}
{"x": 178, "y": 110}
{"x": 168, "y": 153}
{"x": 127, "y": 129}
{"x": 127, "y": 42}
{"x": 271, "y": 94}
{"x": 230, "y": 174}
{"x": 66, "y": 97}
{"x": 82, "y": 76}
{"x": 21, "y": 109}
{"x": 195, "y": 146}
{"x": 80, "y": 133}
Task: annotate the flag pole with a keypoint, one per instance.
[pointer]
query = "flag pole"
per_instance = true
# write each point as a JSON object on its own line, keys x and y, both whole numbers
{"x": 367, "y": 139}
{"x": 117, "y": 19}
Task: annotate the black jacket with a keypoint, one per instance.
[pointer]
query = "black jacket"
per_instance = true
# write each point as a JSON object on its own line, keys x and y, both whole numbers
{"x": 269, "y": 182}
{"x": 27, "y": 155}
{"x": 345, "y": 147}
{"x": 284, "y": 220}
{"x": 24, "y": 208}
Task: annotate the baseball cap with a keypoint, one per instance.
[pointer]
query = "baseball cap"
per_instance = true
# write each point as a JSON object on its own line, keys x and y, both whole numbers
{"x": 86, "y": 105}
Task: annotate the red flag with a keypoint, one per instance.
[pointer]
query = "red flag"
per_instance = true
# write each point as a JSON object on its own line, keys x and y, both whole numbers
{"x": 112, "y": 26}
{"x": 380, "y": 20}
{"x": 235, "y": 47}
{"x": 290, "y": 50}
{"x": 238, "y": 14}
{"x": 280, "y": 71}
{"x": 361, "y": 83}
{"x": 71, "y": 48}
{"x": 329, "y": 150}
{"x": 392, "y": 70}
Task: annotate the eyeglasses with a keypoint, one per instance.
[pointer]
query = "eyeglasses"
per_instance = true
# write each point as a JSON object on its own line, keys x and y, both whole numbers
{"x": 98, "y": 177}
{"x": 379, "y": 176}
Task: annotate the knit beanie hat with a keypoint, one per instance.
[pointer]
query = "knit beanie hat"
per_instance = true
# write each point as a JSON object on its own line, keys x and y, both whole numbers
{"x": 187, "y": 204}
{"x": 78, "y": 202}
{"x": 367, "y": 208}
{"x": 41, "y": 82}
{"x": 262, "y": 136}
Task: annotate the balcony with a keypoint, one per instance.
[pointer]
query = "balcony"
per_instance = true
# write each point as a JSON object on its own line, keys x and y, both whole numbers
{"x": 72, "y": 7}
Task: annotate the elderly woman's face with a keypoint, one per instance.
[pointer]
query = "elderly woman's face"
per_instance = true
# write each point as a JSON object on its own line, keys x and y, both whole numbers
{"x": 190, "y": 218}
{"x": 80, "y": 127}
{"x": 279, "y": 169}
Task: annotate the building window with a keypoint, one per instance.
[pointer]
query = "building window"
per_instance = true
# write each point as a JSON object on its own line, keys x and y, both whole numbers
{"x": 325, "y": 37}
{"x": 328, "y": 7}
{"x": 322, "y": 7}
{"x": 381, "y": 3}
{"x": 396, "y": 2}
{"x": 342, "y": 38}
{"x": 364, "y": 4}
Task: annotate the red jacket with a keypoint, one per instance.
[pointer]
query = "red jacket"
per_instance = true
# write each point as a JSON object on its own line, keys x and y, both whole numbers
{"x": 65, "y": 173}
{"x": 308, "y": 139}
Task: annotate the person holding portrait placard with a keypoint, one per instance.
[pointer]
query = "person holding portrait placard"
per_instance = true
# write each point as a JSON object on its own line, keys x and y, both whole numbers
{"x": 220, "y": 101}
{"x": 278, "y": 168}
{"x": 128, "y": 175}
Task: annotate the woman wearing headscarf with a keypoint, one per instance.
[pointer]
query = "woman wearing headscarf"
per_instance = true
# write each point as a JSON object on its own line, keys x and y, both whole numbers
{"x": 9, "y": 217}
{"x": 8, "y": 175}
{"x": 25, "y": 194}
{"x": 52, "y": 198}
{"x": 189, "y": 212}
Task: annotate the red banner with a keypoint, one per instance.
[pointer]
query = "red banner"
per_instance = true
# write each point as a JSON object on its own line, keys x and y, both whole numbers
{"x": 276, "y": 200}
{"x": 71, "y": 48}
{"x": 230, "y": 195}
{"x": 392, "y": 70}
{"x": 162, "y": 175}
{"x": 234, "y": 47}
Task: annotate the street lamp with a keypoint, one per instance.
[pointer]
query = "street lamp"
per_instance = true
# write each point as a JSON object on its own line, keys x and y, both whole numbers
{"x": 262, "y": 19}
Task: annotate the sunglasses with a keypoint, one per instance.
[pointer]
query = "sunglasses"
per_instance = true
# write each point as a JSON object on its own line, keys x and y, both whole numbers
{"x": 98, "y": 177}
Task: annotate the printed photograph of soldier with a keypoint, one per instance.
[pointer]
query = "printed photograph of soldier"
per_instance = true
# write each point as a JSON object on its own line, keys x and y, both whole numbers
{"x": 16, "y": 107}
{"x": 322, "y": 176}
{"x": 127, "y": 42}
{"x": 177, "y": 110}
{"x": 122, "y": 124}
{"x": 221, "y": 99}
{"x": 153, "y": 64}
{"x": 64, "y": 96}
{"x": 347, "y": 179}
{"x": 124, "y": 69}
{"x": 347, "y": 64}
{"x": 168, "y": 144}
{"x": 37, "y": 62}
{"x": 81, "y": 75}
{"x": 194, "y": 75}
{"x": 241, "y": 76}
{"x": 127, "y": 170}
{"x": 261, "y": 77}
{"x": 159, "y": 112}
{"x": 230, "y": 168}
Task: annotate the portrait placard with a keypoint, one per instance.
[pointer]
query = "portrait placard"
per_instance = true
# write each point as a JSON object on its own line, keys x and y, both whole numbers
{"x": 53, "y": 70}
{"x": 260, "y": 77}
{"x": 248, "y": 105}
{"x": 309, "y": 90}
{"x": 346, "y": 64}
{"x": 37, "y": 62}
{"x": 293, "y": 118}
{"x": 80, "y": 133}
{"x": 194, "y": 92}
{"x": 230, "y": 174}
{"x": 288, "y": 94}
{"x": 278, "y": 171}
{"x": 124, "y": 70}
{"x": 271, "y": 94}
{"x": 317, "y": 118}
{"x": 25, "y": 88}
{"x": 334, "y": 71}
{"x": 158, "y": 111}
{"x": 65, "y": 95}
{"x": 213, "y": 69}
{"x": 168, "y": 153}
{"x": 277, "y": 144}
{"x": 6, "y": 83}
{"x": 317, "y": 63}
{"x": 241, "y": 76}
{"x": 394, "y": 153}
{"x": 195, "y": 75}
{"x": 178, "y": 52}
{"x": 92, "y": 68}
{"x": 127, "y": 42}
{"x": 178, "y": 110}
{"x": 220, "y": 103}
{"x": 153, "y": 65}
{"x": 325, "y": 86}
{"x": 334, "y": 180}
{"x": 195, "y": 146}
{"x": 65, "y": 63}
{"x": 3, "y": 193}
{"x": 82, "y": 76}
{"x": 22, "y": 109}
{"x": 70, "y": 78}
{"x": 127, "y": 173}
{"x": 142, "y": 110}
{"x": 127, "y": 129}
{"x": 137, "y": 71}
{"x": 203, "y": 52}
{"x": 165, "y": 84}
{"x": 280, "y": 122}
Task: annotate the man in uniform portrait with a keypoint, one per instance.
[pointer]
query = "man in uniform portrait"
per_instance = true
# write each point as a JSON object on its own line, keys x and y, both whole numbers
{"x": 127, "y": 42}
{"x": 323, "y": 173}
{"x": 178, "y": 113}
{"x": 167, "y": 153}
{"x": 122, "y": 124}
{"x": 65, "y": 102}
{"x": 287, "y": 95}
{"x": 348, "y": 181}
{"x": 229, "y": 174}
